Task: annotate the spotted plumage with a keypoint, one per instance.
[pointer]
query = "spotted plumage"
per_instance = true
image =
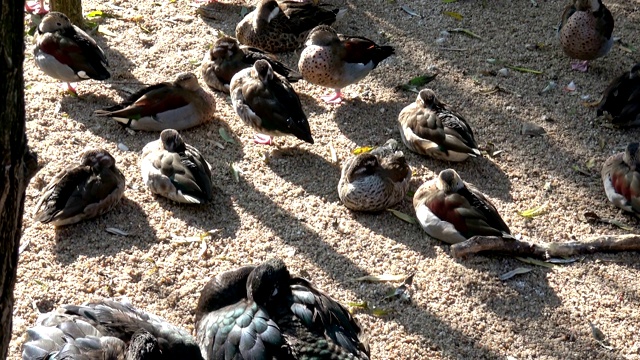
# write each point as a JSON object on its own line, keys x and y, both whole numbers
{"x": 261, "y": 312}
{"x": 621, "y": 179}
{"x": 176, "y": 170}
{"x": 82, "y": 191}
{"x": 452, "y": 211}
{"x": 586, "y": 31}
{"x": 375, "y": 180}
{"x": 107, "y": 329}
{"x": 226, "y": 58}
{"x": 336, "y": 61}
{"x": 267, "y": 102}
{"x": 178, "y": 105}
{"x": 428, "y": 127}
{"x": 65, "y": 52}
{"x": 621, "y": 100}
{"x": 280, "y": 26}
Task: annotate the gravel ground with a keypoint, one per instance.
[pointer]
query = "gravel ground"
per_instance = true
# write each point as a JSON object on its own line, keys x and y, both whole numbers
{"x": 289, "y": 206}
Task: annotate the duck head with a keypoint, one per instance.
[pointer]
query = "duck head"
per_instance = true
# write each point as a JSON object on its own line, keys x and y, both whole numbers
{"x": 449, "y": 181}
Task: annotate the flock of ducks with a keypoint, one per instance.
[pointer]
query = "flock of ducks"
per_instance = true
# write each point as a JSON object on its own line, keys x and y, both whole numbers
{"x": 261, "y": 312}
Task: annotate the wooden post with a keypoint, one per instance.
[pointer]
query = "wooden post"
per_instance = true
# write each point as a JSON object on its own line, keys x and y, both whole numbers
{"x": 71, "y": 8}
{"x": 18, "y": 163}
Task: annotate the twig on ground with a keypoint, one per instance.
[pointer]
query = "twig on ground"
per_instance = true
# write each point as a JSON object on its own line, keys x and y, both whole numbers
{"x": 512, "y": 247}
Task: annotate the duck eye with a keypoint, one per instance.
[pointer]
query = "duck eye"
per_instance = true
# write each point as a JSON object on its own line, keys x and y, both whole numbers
{"x": 59, "y": 24}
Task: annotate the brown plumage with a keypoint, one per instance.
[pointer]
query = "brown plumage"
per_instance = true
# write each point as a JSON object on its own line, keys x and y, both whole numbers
{"x": 453, "y": 211}
{"x": 82, "y": 191}
{"x": 621, "y": 99}
{"x": 376, "y": 180}
{"x": 621, "y": 179}
{"x": 279, "y": 26}
{"x": 586, "y": 31}
{"x": 429, "y": 127}
{"x": 227, "y": 57}
{"x": 335, "y": 61}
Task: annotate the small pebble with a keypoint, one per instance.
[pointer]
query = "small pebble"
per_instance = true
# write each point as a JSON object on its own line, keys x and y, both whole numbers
{"x": 503, "y": 72}
{"x": 123, "y": 147}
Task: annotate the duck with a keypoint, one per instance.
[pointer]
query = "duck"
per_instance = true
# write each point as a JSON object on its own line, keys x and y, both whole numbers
{"x": 267, "y": 102}
{"x": 66, "y": 53}
{"x": 586, "y": 32}
{"x": 226, "y": 57}
{"x": 176, "y": 170}
{"x": 336, "y": 61}
{"x": 179, "y": 105}
{"x": 82, "y": 191}
{"x": 621, "y": 100}
{"x": 429, "y": 127}
{"x": 621, "y": 179}
{"x": 281, "y": 26}
{"x": 107, "y": 329}
{"x": 262, "y": 312}
{"x": 453, "y": 211}
{"x": 376, "y": 180}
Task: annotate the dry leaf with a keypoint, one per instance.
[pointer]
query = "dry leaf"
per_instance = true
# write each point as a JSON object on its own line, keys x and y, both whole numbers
{"x": 402, "y": 216}
{"x": 382, "y": 278}
{"x": 116, "y": 231}
{"x": 533, "y": 261}
{"x": 592, "y": 216}
{"x": 409, "y": 11}
{"x": 513, "y": 273}
{"x": 334, "y": 154}
{"x": 467, "y": 32}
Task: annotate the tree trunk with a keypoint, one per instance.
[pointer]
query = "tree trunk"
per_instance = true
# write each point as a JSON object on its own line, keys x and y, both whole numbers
{"x": 71, "y": 8}
{"x": 18, "y": 163}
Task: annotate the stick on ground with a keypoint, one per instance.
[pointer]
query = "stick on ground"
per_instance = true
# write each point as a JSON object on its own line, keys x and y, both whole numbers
{"x": 512, "y": 247}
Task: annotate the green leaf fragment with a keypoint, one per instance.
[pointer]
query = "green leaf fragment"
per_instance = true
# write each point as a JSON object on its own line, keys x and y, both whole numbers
{"x": 224, "y": 135}
{"x": 422, "y": 80}
{"x": 94, "y": 14}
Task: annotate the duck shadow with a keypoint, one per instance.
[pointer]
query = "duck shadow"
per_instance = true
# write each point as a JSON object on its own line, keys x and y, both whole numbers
{"x": 390, "y": 226}
{"x": 87, "y": 238}
{"x": 217, "y": 15}
{"x": 217, "y": 215}
{"x": 308, "y": 170}
{"x": 375, "y": 120}
{"x": 295, "y": 232}
{"x": 529, "y": 295}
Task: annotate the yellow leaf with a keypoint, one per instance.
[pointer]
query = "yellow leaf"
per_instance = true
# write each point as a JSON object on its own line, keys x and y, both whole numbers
{"x": 536, "y": 211}
{"x": 361, "y": 150}
{"x": 453, "y": 14}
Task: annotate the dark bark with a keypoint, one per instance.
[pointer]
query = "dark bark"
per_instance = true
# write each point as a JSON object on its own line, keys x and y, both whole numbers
{"x": 512, "y": 247}
{"x": 71, "y": 8}
{"x": 18, "y": 163}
